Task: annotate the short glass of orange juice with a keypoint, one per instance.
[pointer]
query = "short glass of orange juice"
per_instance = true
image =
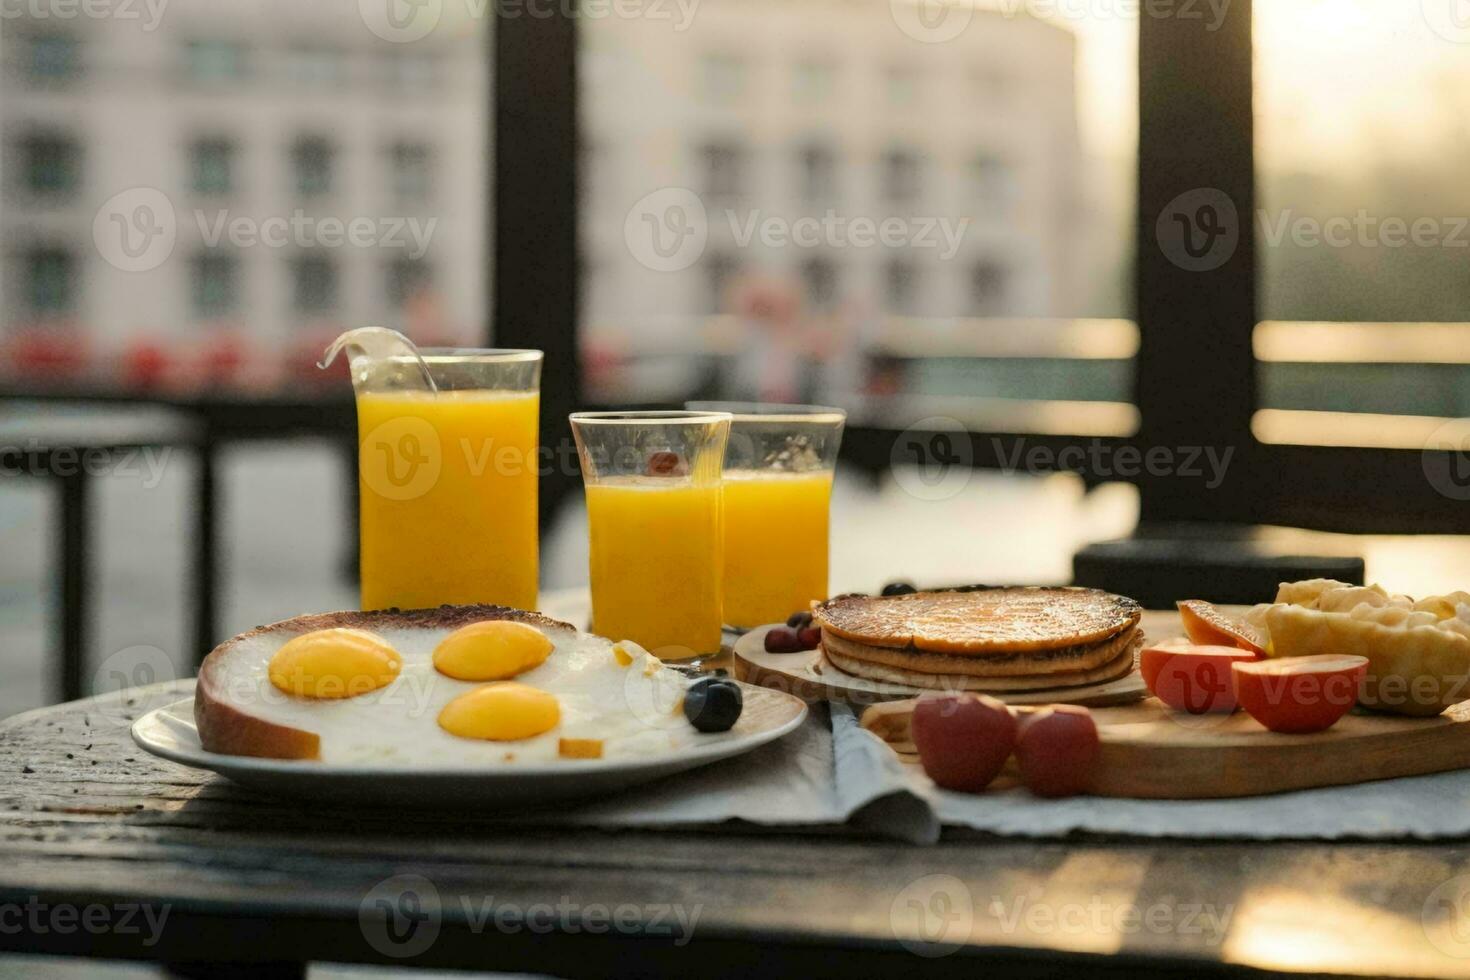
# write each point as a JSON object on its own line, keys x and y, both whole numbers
{"x": 778, "y": 494}
{"x": 448, "y": 477}
{"x": 655, "y": 521}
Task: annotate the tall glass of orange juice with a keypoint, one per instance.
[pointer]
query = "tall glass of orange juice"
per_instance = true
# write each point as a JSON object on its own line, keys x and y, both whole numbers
{"x": 778, "y": 492}
{"x": 448, "y": 475}
{"x": 655, "y": 516}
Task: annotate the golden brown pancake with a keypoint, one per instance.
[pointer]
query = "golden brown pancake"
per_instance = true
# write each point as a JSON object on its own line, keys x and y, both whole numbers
{"x": 980, "y": 621}
{"x": 899, "y": 672}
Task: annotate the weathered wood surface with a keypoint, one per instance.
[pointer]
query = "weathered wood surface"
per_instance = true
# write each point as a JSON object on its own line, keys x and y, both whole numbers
{"x": 87, "y": 819}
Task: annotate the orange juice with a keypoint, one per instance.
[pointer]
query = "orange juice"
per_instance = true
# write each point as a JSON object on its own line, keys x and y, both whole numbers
{"x": 653, "y": 580}
{"x": 448, "y": 509}
{"x": 775, "y": 544}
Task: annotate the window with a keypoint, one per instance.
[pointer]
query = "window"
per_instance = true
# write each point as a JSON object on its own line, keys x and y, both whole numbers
{"x": 987, "y": 289}
{"x": 720, "y": 271}
{"x": 51, "y": 164}
{"x": 901, "y": 86}
{"x": 214, "y": 284}
{"x": 723, "y": 165}
{"x": 407, "y": 279}
{"x": 900, "y": 286}
{"x": 50, "y": 281}
{"x": 819, "y": 276}
{"x": 722, "y": 77}
{"x": 813, "y": 81}
{"x": 212, "y": 163}
{"x": 314, "y": 65}
{"x": 212, "y": 61}
{"x": 818, "y": 173}
{"x": 411, "y": 72}
{"x": 311, "y": 160}
{"x": 900, "y": 176}
{"x": 412, "y": 170}
{"x": 992, "y": 183}
{"x": 53, "y": 58}
{"x": 314, "y": 284}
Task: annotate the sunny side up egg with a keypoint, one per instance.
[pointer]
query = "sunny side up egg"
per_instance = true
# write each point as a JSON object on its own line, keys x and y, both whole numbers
{"x": 617, "y": 694}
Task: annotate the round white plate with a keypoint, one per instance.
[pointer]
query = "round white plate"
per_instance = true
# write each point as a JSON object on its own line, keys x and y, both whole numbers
{"x": 169, "y": 733}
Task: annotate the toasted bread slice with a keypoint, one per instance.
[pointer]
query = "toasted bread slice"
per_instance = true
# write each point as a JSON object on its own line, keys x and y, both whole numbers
{"x": 980, "y": 621}
{"x": 226, "y": 722}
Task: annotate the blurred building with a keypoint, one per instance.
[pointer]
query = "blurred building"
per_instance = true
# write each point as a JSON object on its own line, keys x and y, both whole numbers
{"x": 269, "y": 127}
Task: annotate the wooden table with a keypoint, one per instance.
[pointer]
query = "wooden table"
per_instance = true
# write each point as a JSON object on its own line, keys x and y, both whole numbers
{"x": 94, "y": 831}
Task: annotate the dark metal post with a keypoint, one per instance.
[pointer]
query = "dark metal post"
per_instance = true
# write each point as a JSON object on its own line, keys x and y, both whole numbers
{"x": 75, "y": 528}
{"x": 205, "y": 589}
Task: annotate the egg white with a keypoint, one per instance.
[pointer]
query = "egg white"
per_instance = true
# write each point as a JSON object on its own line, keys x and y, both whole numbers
{"x": 635, "y": 710}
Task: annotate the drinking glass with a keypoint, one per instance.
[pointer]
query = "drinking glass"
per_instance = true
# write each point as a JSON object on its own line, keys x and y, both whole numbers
{"x": 448, "y": 477}
{"x": 778, "y": 493}
{"x": 654, "y": 516}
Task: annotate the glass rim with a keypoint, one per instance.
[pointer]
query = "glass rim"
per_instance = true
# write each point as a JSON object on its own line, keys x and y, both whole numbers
{"x": 503, "y": 355}
{"x": 651, "y": 417}
{"x": 772, "y": 411}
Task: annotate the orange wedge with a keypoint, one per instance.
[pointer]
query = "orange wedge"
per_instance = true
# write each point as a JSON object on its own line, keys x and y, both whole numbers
{"x": 1208, "y": 626}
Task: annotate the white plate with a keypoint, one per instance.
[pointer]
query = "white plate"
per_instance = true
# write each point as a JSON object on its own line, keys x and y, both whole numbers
{"x": 169, "y": 733}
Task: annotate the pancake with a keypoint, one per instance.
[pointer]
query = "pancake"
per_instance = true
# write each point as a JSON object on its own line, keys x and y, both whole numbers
{"x": 1039, "y": 664}
{"x": 899, "y": 672}
{"x": 982, "y": 622}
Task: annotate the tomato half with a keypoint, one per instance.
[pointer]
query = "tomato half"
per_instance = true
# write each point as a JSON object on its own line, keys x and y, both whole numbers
{"x": 1295, "y": 695}
{"x": 1191, "y": 677}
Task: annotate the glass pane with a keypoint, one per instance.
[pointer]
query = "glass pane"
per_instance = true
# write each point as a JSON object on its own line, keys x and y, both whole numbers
{"x": 902, "y": 211}
{"x": 1364, "y": 222}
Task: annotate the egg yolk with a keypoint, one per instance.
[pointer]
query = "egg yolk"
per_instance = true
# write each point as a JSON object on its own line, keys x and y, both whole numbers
{"x": 496, "y": 650}
{"x": 502, "y": 712}
{"x": 334, "y": 663}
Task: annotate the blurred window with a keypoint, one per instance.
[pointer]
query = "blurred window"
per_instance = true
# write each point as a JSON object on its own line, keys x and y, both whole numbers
{"x": 901, "y": 85}
{"x": 987, "y": 289}
{"x": 818, "y": 172}
{"x": 813, "y": 80}
{"x": 51, "y": 163}
{"x": 311, "y": 162}
{"x": 819, "y": 276}
{"x": 214, "y": 60}
{"x": 723, "y": 77}
{"x": 406, "y": 279}
{"x": 53, "y": 58}
{"x": 410, "y": 72}
{"x": 994, "y": 184}
{"x": 900, "y": 175}
{"x": 215, "y": 284}
{"x": 901, "y": 286}
{"x": 412, "y": 165}
{"x": 212, "y": 165}
{"x": 724, "y": 165}
{"x": 720, "y": 270}
{"x": 314, "y": 65}
{"x": 50, "y": 281}
{"x": 314, "y": 284}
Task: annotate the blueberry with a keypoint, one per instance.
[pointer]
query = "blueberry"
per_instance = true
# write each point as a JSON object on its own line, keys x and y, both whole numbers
{"x": 898, "y": 588}
{"x": 713, "y": 704}
{"x": 799, "y": 620}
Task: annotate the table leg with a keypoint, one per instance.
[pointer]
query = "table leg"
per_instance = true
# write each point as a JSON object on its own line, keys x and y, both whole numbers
{"x": 74, "y": 531}
{"x": 206, "y": 552}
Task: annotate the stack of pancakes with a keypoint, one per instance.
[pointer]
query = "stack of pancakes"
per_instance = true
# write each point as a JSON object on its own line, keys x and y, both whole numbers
{"x": 983, "y": 639}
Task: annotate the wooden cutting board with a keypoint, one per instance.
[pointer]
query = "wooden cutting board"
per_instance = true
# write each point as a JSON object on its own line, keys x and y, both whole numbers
{"x": 1150, "y": 752}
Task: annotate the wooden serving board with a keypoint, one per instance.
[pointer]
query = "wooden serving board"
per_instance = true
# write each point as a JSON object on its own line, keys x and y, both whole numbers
{"x": 1151, "y": 752}
{"x": 811, "y": 678}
